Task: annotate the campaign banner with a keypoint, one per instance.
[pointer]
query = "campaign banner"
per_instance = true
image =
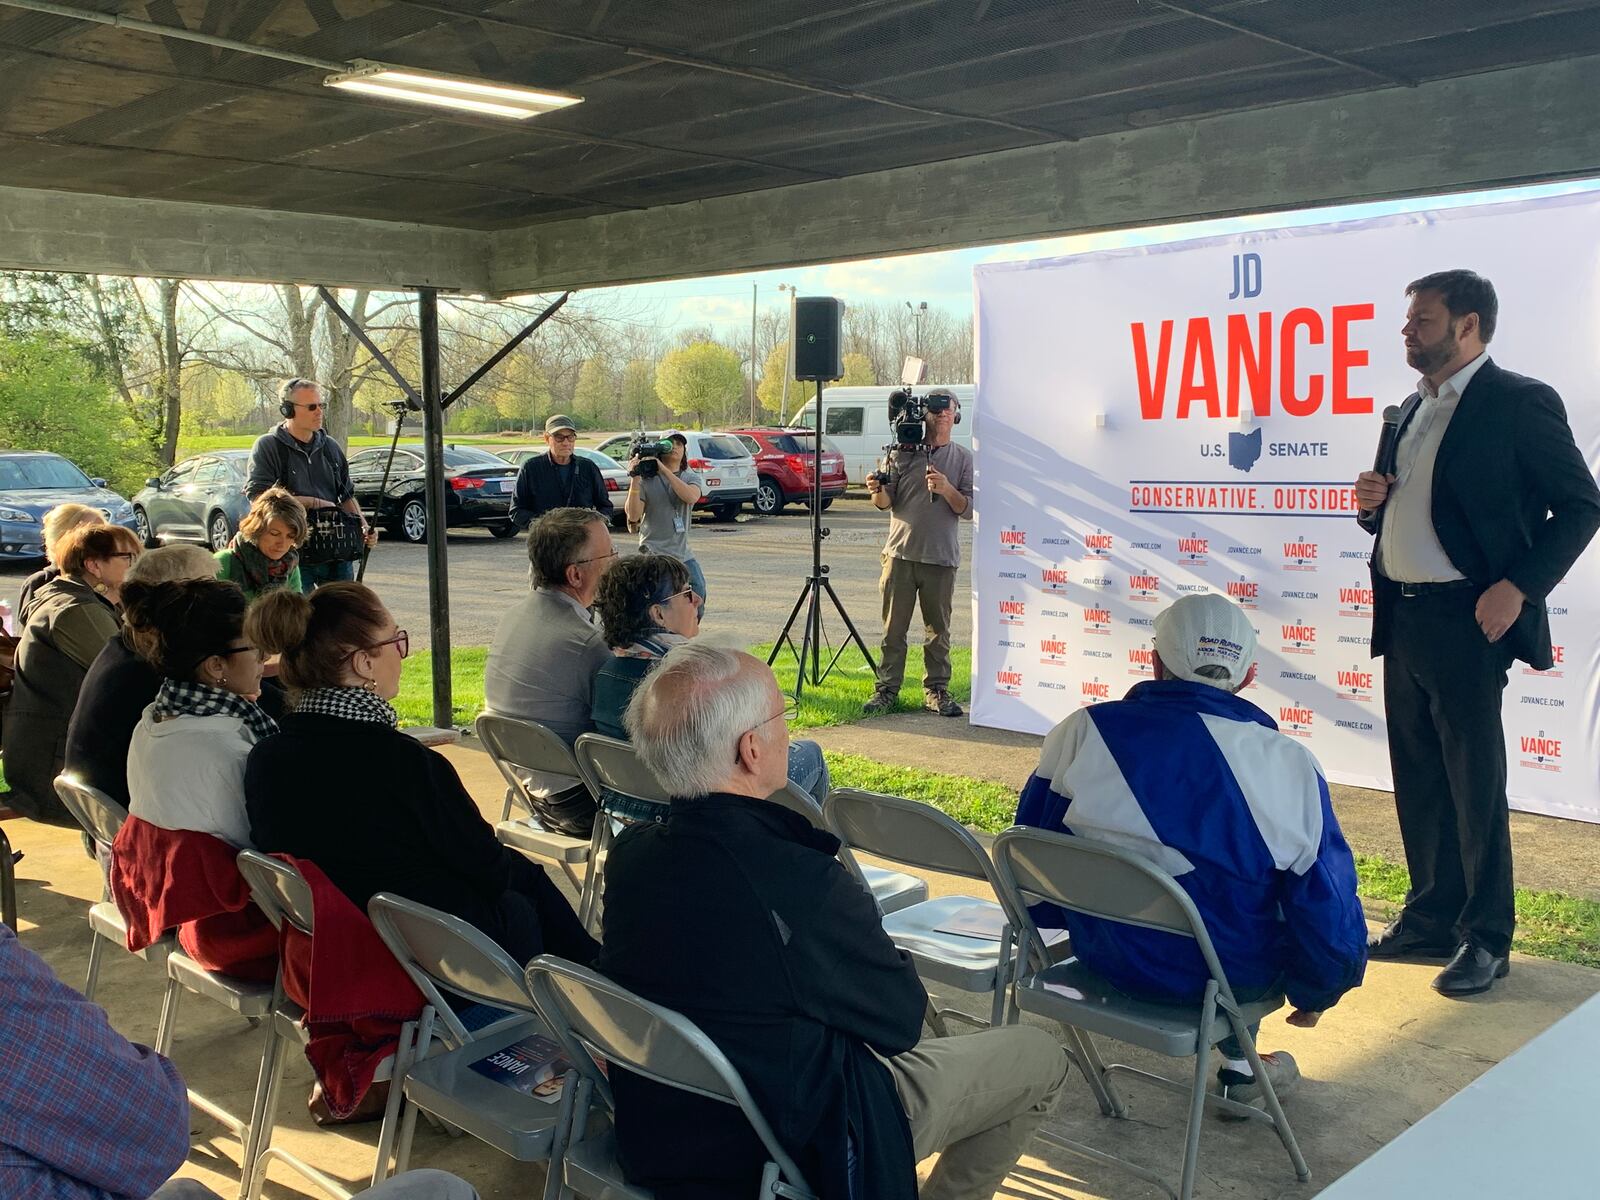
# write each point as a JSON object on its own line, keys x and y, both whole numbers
{"x": 1190, "y": 417}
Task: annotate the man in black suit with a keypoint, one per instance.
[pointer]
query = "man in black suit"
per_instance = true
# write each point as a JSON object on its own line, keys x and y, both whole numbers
{"x": 1489, "y": 503}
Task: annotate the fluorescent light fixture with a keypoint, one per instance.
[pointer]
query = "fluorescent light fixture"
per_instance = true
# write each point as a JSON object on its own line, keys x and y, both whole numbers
{"x": 447, "y": 91}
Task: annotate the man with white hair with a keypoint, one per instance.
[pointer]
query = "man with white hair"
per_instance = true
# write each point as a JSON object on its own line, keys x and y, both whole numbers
{"x": 736, "y": 912}
{"x": 1198, "y": 780}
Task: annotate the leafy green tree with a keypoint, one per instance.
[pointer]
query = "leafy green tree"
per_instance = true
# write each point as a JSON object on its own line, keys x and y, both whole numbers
{"x": 594, "y": 397}
{"x": 53, "y": 398}
{"x": 702, "y": 379}
{"x": 857, "y": 372}
{"x": 770, "y": 390}
{"x": 639, "y": 400}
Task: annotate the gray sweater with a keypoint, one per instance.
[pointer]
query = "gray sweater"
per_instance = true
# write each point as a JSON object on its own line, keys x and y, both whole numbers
{"x": 542, "y": 664}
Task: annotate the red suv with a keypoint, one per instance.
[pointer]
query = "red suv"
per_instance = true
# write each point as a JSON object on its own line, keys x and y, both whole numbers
{"x": 783, "y": 464}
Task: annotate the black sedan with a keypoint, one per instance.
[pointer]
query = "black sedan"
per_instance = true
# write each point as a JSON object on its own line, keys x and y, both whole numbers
{"x": 200, "y": 499}
{"x": 478, "y": 490}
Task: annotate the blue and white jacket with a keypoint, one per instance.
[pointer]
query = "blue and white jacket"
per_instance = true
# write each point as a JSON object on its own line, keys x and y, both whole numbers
{"x": 1202, "y": 783}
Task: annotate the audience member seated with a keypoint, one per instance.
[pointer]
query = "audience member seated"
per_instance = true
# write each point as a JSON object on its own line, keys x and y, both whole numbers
{"x": 736, "y": 913}
{"x": 120, "y": 685}
{"x": 375, "y": 809}
{"x": 186, "y": 759}
{"x": 73, "y": 617}
{"x": 647, "y": 605}
{"x": 1198, "y": 780}
{"x": 61, "y": 519}
{"x": 265, "y": 553}
{"x": 84, "y": 1114}
{"x": 548, "y": 648}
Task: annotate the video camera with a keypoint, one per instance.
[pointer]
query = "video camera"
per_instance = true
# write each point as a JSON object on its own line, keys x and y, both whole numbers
{"x": 648, "y": 451}
{"x": 908, "y": 412}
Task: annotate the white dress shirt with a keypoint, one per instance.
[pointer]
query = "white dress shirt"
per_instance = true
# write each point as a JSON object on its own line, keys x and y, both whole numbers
{"x": 1409, "y": 550}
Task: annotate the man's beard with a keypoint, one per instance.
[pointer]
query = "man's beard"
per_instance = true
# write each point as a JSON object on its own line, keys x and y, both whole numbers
{"x": 1429, "y": 359}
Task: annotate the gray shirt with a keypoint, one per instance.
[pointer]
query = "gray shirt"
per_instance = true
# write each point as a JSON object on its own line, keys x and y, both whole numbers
{"x": 542, "y": 664}
{"x": 922, "y": 528}
{"x": 665, "y": 526}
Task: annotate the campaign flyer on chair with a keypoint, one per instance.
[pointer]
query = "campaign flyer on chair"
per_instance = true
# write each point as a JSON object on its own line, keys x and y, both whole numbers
{"x": 534, "y": 1066}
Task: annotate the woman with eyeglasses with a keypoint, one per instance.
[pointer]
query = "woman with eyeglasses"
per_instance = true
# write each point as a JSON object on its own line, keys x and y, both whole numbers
{"x": 649, "y": 604}
{"x": 186, "y": 759}
{"x": 73, "y": 617}
{"x": 375, "y": 809}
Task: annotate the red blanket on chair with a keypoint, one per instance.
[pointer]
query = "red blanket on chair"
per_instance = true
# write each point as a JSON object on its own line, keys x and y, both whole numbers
{"x": 355, "y": 994}
{"x": 164, "y": 879}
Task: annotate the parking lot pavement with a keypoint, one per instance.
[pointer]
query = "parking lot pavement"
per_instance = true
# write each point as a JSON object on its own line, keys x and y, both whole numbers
{"x": 754, "y": 569}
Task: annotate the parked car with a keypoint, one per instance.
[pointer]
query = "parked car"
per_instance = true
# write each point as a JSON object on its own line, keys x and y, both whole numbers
{"x": 478, "y": 490}
{"x": 613, "y": 472}
{"x": 32, "y": 482}
{"x": 200, "y": 499}
{"x": 783, "y": 462}
{"x": 857, "y": 419}
{"x": 727, "y": 470}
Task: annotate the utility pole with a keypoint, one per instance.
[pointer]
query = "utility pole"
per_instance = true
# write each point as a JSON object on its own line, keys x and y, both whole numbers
{"x": 753, "y": 353}
{"x": 917, "y": 313}
{"x": 788, "y": 364}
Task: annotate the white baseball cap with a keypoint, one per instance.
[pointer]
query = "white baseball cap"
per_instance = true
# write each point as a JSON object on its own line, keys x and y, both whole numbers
{"x": 1206, "y": 630}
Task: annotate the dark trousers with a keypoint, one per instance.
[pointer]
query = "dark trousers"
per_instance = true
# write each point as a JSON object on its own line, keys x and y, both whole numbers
{"x": 906, "y": 586}
{"x": 1442, "y": 686}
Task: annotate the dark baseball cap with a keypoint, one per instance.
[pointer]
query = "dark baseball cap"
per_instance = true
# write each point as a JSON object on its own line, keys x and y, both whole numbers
{"x": 558, "y": 422}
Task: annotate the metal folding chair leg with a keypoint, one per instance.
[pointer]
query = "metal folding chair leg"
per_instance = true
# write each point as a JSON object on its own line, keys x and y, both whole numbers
{"x": 169, "y": 1016}
{"x": 403, "y": 1057}
{"x": 1269, "y": 1095}
{"x": 96, "y": 949}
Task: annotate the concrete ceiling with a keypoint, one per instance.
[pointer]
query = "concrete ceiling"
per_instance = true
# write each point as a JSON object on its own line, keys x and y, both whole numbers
{"x": 723, "y": 136}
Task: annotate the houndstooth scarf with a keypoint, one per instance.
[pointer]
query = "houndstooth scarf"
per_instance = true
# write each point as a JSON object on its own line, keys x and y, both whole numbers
{"x": 185, "y": 698}
{"x": 347, "y": 703}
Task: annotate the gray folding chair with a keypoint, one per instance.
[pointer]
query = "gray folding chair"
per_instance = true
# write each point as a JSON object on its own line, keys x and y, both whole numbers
{"x": 893, "y": 890}
{"x": 102, "y": 818}
{"x": 516, "y": 746}
{"x": 282, "y": 893}
{"x": 610, "y": 765}
{"x": 444, "y": 954}
{"x": 588, "y": 1012}
{"x": 1118, "y": 885}
{"x": 919, "y": 835}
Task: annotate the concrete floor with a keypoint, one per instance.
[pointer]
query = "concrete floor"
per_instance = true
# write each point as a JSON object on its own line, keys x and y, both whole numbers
{"x": 1392, "y": 1052}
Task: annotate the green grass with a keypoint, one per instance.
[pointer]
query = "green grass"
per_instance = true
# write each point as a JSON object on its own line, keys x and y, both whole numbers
{"x": 415, "y": 701}
{"x": 979, "y": 803}
{"x": 838, "y": 701}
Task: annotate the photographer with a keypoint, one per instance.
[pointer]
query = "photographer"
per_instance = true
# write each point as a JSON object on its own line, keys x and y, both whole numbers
{"x": 559, "y": 478}
{"x": 660, "y": 503}
{"x": 303, "y": 460}
{"x": 927, "y": 490}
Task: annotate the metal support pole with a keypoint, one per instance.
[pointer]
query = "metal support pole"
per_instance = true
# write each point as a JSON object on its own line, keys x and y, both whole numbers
{"x": 433, "y": 455}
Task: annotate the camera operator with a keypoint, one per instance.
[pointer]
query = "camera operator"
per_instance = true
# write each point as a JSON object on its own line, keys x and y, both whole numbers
{"x": 559, "y": 478}
{"x": 927, "y": 490}
{"x": 660, "y": 504}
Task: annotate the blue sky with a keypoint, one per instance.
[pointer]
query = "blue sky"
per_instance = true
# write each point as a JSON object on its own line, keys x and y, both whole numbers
{"x": 944, "y": 278}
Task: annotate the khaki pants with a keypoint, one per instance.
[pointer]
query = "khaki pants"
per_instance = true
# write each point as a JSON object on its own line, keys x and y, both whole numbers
{"x": 976, "y": 1099}
{"x": 932, "y": 588}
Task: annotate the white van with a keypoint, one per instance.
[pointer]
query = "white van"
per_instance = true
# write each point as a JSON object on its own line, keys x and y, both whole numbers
{"x": 857, "y": 419}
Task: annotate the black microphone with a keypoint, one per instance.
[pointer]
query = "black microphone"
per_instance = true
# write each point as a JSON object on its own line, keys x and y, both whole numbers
{"x": 1383, "y": 461}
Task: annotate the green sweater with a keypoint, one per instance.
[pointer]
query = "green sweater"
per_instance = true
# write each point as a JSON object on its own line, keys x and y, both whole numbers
{"x": 229, "y": 568}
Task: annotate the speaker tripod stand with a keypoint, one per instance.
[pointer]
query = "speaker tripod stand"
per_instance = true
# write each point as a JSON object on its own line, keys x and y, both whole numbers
{"x": 817, "y": 585}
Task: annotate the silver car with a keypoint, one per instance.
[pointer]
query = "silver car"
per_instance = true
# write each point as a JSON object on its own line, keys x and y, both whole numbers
{"x": 727, "y": 470}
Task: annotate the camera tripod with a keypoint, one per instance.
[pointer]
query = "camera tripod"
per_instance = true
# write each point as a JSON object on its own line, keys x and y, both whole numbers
{"x": 817, "y": 583}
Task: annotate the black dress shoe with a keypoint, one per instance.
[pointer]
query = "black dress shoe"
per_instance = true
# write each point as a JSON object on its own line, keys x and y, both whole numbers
{"x": 1471, "y": 971}
{"x": 1396, "y": 942}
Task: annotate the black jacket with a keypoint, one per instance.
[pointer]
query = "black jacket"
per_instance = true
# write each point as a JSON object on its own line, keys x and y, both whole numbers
{"x": 118, "y": 688}
{"x": 1513, "y": 499}
{"x": 317, "y": 468}
{"x": 539, "y": 489}
{"x": 736, "y": 913}
{"x": 380, "y": 812}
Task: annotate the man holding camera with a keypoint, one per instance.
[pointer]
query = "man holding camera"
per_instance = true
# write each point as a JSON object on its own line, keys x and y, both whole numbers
{"x": 928, "y": 491}
{"x": 660, "y": 504}
{"x": 558, "y": 478}
{"x": 298, "y": 456}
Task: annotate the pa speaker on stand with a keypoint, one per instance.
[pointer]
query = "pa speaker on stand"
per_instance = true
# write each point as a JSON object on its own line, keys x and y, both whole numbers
{"x": 818, "y": 358}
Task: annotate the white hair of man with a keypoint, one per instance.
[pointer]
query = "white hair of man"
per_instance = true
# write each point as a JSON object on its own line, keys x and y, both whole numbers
{"x": 686, "y": 719}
